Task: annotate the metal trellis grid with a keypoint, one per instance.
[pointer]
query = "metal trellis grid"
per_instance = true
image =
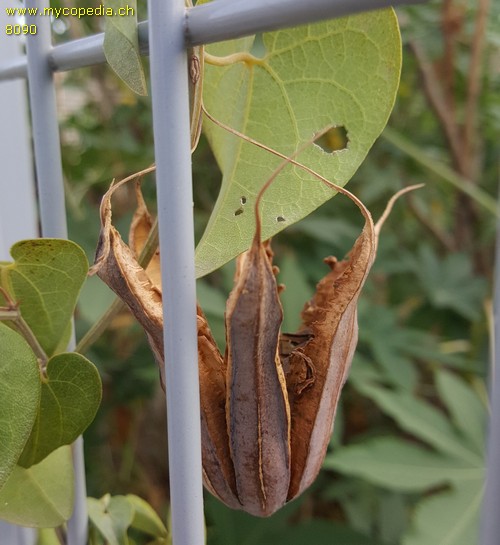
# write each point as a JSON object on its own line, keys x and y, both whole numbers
{"x": 171, "y": 28}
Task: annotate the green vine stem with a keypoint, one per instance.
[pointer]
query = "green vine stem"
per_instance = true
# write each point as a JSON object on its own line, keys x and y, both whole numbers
{"x": 12, "y": 313}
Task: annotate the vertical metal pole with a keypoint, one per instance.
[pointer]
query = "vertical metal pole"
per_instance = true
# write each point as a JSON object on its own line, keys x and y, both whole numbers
{"x": 16, "y": 535}
{"x": 18, "y": 214}
{"x": 169, "y": 81}
{"x": 490, "y": 521}
{"x": 44, "y": 126}
{"x": 47, "y": 149}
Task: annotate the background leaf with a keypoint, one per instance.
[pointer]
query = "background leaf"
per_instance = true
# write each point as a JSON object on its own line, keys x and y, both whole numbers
{"x": 344, "y": 71}
{"x": 69, "y": 401}
{"x": 41, "y": 496}
{"x": 45, "y": 278}
{"x": 450, "y": 283}
{"x": 426, "y": 422}
{"x": 399, "y": 465}
{"x": 295, "y": 294}
{"x": 467, "y": 411}
{"x": 451, "y": 518}
{"x": 19, "y": 395}
{"x": 121, "y": 45}
{"x": 112, "y": 516}
{"x": 146, "y": 518}
{"x": 227, "y": 527}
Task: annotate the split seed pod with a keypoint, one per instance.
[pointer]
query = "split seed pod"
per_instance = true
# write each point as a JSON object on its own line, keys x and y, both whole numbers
{"x": 268, "y": 405}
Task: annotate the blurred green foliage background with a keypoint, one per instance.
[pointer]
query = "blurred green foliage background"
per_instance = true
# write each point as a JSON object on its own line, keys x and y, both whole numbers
{"x": 406, "y": 457}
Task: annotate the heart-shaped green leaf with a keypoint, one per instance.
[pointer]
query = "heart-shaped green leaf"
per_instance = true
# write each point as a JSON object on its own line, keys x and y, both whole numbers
{"x": 293, "y": 83}
{"x": 19, "y": 397}
{"x": 45, "y": 279}
{"x": 68, "y": 403}
{"x": 112, "y": 516}
{"x": 41, "y": 496}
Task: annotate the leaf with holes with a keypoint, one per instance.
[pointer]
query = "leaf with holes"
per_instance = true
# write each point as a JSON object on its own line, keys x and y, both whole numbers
{"x": 290, "y": 84}
{"x": 41, "y": 496}
{"x": 69, "y": 401}
{"x": 45, "y": 279}
{"x": 19, "y": 394}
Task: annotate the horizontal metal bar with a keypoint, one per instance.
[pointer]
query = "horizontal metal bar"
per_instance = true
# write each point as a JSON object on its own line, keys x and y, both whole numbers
{"x": 227, "y": 19}
{"x": 217, "y": 21}
{"x": 18, "y": 68}
{"x": 89, "y": 51}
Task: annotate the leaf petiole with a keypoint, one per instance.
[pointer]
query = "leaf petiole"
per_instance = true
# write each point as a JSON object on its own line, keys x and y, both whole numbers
{"x": 12, "y": 313}
{"x": 242, "y": 56}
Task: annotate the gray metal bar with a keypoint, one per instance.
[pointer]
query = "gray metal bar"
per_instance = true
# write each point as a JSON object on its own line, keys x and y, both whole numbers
{"x": 45, "y": 129}
{"x": 227, "y": 19}
{"x": 89, "y": 51}
{"x": 14, "y": 69}
{"x": 16, "y": 535}
{"x": 216, "y": 21}
{"x": 490, "y": 521}
{"x": 170, "y": 97}
{"x": 78, "y": 524}
{"x": 18, "y": 213}
{"x": 45, "y": 132}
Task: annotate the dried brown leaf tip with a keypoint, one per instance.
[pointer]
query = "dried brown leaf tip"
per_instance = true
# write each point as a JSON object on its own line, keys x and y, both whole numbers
{"x": 116, "y": 264}
{"x": 268, "y": 405}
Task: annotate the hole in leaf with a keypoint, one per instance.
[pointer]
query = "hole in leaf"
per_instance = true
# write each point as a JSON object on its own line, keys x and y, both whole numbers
{"x": 238, "y": 212}
{"x": 280, "y": 219}
{"x": 243, "y": 200}
{"x": 335, "y": 139}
